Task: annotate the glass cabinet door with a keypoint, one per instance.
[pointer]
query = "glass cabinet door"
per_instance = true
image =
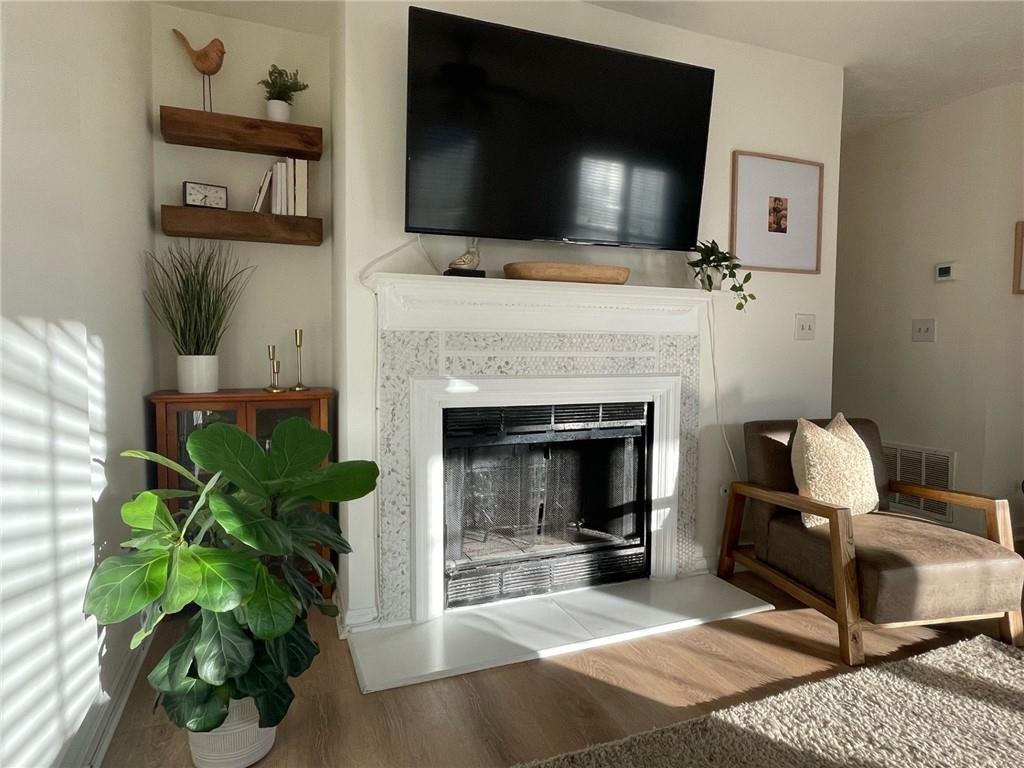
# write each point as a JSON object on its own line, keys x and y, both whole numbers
{"x": 263, "y": 417}
{"x": 186, "y": 419}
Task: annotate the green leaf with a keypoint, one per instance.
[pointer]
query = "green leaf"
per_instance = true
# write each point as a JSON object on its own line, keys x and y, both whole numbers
{"x": 328, "y": 609}
{"x": 250, "y": 526}
{"x": 151, "y": 541}
{"x": 270, "y": 610}
{"x": 324, "y": 568}
{"x": 263, "y": 675}
{"x": 172, "y": 493}
{"x": 226, "y": 448}
{"x": 171, "y": 672}
{"x": 747, "y": 278}
{"x": 223, "y": 650}
{"x": 296, "y": 650}
{"x": 156, "y": 458}
{"x": 297, "y": 447}
{"x": 121, "y": 586}
{"x": 147, "y": 512}
{"x": 226, "y": 578}
{"x": 336, "y": 482}
{"x": 198, "y": 707}
{"x": 273, "y": 705}
{"x": 184, "y": 580}
{"x": 301, "y": 587}
{"x": 312, "y": 527}
{"x": 739, "y": 305}
{"x": 151, "y": 616}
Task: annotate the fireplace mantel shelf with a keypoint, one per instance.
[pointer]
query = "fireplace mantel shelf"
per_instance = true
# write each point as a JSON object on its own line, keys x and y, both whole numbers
{"x": 422, "y": 302}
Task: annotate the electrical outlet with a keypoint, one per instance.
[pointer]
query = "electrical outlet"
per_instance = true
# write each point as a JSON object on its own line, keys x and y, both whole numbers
{"x": 922, "y": 329}
{"x": 804, "y": 330}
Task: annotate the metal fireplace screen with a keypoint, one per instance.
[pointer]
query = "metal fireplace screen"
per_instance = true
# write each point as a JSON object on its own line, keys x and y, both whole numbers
{"x": 544, "y": 498}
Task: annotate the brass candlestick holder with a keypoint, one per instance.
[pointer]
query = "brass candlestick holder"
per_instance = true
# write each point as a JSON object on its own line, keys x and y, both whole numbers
{"x": 275, "y": 370}
{"x": 299, "y": 386}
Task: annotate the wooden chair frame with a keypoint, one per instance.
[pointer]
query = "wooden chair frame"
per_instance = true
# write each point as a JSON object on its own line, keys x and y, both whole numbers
{"x": 845, "y": 608}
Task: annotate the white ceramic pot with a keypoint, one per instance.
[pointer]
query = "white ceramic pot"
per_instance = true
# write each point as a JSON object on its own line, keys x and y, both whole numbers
{"x": 716, "y": 281}
{"x": 237, "y": 743}
{"x": 278, "y": 110}
{"x": 197, "y": 373}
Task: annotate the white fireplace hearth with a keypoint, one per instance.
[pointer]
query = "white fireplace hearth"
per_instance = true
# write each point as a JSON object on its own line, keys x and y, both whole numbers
{"x": 447, "y": 342}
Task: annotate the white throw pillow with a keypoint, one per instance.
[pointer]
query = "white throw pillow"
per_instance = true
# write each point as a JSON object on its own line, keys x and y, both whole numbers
{"x": 833, "y": 465}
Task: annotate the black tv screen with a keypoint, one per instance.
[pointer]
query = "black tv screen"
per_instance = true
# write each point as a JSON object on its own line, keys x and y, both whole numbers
{"x": 518, "y": 135}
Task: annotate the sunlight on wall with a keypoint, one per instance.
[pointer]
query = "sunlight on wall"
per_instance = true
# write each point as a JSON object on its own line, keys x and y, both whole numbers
{"x": 52, "y": 431}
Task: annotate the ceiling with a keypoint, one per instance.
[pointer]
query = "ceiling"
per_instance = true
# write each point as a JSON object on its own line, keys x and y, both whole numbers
{"x": 900, "y": 58}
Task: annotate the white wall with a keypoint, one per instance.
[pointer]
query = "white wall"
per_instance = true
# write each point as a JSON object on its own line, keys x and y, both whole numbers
{"x": 77, "y": 191}
{"x": 942, "y": 186}
{"x": 291, "y": 287}
{"x": 763, "y": 101}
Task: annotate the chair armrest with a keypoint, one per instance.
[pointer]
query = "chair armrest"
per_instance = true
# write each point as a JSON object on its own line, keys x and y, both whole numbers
{"x": 842, "y": 553}
{"x": 997, "y": 511}
{"x": 792, "y": 501}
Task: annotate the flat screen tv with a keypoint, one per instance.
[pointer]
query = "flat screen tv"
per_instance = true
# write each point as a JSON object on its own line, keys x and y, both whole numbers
{"x": 518, "y": 135}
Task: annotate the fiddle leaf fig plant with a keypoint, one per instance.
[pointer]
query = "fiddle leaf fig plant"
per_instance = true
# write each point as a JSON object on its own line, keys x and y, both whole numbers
{"x": 712, "y": 261}
{"x": 248, "y": 553}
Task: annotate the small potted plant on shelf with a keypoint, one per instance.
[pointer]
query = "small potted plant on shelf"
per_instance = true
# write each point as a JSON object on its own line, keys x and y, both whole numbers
{"x": 281, "y": 86}
{"x": 714, "y": 266}
{"x": 193, "y": 290}
{"x": 250, "y": 555}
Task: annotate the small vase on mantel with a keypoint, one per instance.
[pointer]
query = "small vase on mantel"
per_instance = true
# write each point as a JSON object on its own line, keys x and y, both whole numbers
{"x": 198, "y": 373}
{"x": 278, "y": 110}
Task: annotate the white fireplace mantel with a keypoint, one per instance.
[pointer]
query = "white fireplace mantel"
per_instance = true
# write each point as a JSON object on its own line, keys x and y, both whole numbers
{"x": 416, "y": 302}
{"x": 457, "y": 342}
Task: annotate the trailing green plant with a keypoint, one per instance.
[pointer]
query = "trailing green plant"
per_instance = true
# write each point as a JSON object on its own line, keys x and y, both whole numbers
{"x": 282, "y": 85}
{"x": 248, "y": 553}
{"x": 193, "y": 290}
{"x": 714, "y": 260}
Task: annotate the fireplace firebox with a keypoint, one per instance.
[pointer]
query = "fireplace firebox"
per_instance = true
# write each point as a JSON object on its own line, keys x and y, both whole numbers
{"x": 545, "y": 498}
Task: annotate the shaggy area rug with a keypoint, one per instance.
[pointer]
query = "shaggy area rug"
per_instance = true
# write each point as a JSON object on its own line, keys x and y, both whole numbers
{"x": 962, "y": 705}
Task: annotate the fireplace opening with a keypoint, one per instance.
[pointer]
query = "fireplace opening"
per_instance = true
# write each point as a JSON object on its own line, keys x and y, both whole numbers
{"x": 544, "y": 498}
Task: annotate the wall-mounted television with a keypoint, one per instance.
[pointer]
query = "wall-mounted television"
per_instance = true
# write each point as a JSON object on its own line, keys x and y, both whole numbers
{"x": 524, "y": 136}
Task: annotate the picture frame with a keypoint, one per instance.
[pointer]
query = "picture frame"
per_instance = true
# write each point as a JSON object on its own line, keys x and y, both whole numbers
{"x": 777, "y": 206}
{"x": 1018, "y": 258}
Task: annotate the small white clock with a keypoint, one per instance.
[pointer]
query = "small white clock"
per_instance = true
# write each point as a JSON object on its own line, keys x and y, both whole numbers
{"x": 199, "y": 195}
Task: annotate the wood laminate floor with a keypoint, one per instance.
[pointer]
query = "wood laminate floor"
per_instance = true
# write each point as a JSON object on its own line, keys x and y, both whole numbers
{"x": 536, "y": 709}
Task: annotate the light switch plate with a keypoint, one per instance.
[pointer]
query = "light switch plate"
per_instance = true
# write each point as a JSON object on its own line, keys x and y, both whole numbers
{"x": 805, "y": 325}
{"x": 922, "y": 329}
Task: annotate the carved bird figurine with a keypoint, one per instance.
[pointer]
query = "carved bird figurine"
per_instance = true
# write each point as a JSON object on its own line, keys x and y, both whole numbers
{"x": 207, "y": 60}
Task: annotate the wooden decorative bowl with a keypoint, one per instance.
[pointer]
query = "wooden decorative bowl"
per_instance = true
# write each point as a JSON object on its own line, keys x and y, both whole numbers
{"x": 556, "y": 271}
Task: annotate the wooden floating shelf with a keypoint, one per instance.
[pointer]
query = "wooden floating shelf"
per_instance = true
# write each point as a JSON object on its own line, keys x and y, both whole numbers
{"x": 181, "y": 221}
{"x": 195, "y": 128}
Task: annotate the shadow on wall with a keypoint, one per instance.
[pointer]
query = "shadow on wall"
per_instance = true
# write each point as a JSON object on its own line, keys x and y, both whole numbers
{"x": 52, "y": 431}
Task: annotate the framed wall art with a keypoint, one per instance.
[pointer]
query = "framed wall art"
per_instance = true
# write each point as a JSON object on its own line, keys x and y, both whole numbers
{"x": 776, "y": 212}
{"x": 1018, "y": 258}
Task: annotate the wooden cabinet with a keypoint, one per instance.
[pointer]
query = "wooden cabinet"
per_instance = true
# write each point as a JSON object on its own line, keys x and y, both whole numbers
{"x": 177, "y": 415}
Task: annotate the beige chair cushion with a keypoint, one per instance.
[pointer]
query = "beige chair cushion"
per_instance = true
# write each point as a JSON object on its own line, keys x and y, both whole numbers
{"x": 907, "y": 569}
{"x": 833, "y": 465}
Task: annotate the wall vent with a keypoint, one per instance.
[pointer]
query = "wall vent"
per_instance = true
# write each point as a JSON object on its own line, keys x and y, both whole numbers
{"x": 925, "y": 466}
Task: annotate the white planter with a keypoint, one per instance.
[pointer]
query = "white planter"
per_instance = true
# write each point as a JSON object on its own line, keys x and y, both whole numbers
{"x": 237, "y": 743}
{"x": 197, "y": 373}
{"x": 278, "y": 110}
{"x": 716, "y": 281}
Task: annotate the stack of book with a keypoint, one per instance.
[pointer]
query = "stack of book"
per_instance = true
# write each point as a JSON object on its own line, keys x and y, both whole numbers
{"x": 284, "y": 189}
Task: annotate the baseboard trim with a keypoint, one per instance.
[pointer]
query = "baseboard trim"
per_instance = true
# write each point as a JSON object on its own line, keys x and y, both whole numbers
{"x": 88, "y": 747}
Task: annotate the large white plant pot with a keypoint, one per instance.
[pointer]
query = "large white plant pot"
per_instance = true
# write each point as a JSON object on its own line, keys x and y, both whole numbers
{"x": 237, "y": 743}
{"x": 197, "y": 373}
{"x": 278, "y": 110}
